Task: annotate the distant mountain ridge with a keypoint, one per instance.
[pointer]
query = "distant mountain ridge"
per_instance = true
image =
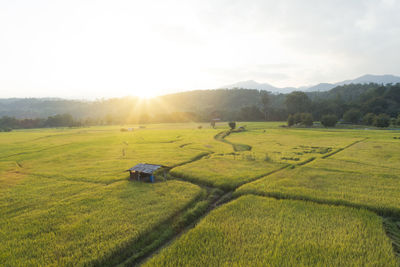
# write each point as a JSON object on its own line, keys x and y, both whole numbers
{"x": 250, "y": 84}
{"x": 368, "y": 78}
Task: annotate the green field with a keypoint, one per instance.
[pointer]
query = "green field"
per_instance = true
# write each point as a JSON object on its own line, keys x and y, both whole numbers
{"x": 65, "y": 197}
{"x": 225, "y": 171}
{"x": 256, "y": 231}
{"x": 342, "y": 178}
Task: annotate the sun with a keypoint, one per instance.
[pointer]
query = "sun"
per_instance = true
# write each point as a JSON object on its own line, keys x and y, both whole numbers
{"x": 145, "y": 94}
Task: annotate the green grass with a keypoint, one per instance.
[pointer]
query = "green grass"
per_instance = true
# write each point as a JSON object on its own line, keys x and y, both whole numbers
{"x": 225, "y": 171}
{"x": 294, "y": 145}
{"x": 375, "y": 152}
{"x": 101, "y": 156}
{"x": 257, "y": 231}
{"x": 47, "y": 222}
{"x": 65, "y": 198}
{"x": 335, "y": 181}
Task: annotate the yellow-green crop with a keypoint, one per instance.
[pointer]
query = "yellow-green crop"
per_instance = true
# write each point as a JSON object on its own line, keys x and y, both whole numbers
{"x": 258, "y": 231}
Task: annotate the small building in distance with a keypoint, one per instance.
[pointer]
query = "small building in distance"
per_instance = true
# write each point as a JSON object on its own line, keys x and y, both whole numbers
{"x": 145, "y": 172}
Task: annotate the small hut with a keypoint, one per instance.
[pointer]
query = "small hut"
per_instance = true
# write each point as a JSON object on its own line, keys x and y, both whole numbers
{"x": 145, "y": 172}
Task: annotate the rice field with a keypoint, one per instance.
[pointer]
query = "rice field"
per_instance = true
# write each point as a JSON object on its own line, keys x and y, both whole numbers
{"x": 258, "y": 231}
{"x": 339, "y": 179}
{"x": 225, "y": 171}
{"x": 66, "y": 200}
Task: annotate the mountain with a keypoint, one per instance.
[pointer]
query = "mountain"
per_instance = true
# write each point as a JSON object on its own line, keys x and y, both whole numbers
{"x": 369, "y": 78}
{"x": 321, "y": 87}
{"x": 250, "y": 84}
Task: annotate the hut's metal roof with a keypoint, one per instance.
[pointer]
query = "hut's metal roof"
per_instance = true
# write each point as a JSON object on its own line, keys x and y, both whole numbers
{"x": 145, "y": 168}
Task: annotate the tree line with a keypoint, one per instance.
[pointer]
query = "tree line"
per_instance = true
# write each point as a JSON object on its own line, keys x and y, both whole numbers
{"x": 370, "y": 104}
{"x": 376, "y": 105}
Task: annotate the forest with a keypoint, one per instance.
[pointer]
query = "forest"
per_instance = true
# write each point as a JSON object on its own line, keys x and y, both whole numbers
{"x": 353, "y": 103}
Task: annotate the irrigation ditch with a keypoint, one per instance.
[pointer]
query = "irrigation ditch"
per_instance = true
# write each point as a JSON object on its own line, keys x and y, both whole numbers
{"x": 180, "y": 223}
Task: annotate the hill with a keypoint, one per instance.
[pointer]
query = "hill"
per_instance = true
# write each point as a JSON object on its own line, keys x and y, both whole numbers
{"x": 365, "y": 79}
{"x": 199, "y": 105}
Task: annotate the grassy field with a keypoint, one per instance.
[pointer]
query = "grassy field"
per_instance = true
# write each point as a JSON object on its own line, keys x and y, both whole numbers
{"x": 65, "y": 197}
{"x": 47, "y": 222}
{"x": 257, "y": 231}
{"x": 225, "y": 171}
{"x": 341, "y": 179}
{"x": 294, "y": 146}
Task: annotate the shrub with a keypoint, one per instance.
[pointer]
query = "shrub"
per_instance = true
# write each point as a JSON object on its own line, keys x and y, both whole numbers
{"x": 369, "y": 119}
{"x": 329, "y": 120}
{"x": 290, "y": 120}
{"x": 232, "y": 124}
{"x": 352, "y": 115}
{"x": 5, "y": 129}
{"x": 382, "y": 120}
{"x": 297, "y": 118}
{"x": 398, "y": 120}
{"x": 306, "y": 119}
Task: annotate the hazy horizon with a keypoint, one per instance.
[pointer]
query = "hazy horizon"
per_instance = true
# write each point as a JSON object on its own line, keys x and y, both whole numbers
{"x": 96, "y": 49}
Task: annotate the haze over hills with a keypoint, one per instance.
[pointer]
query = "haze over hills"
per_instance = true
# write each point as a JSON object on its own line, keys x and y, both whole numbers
{"x": 368, "y": 78}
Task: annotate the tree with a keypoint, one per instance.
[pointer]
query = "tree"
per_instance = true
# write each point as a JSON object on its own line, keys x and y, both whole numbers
{"x": 297, "y": 118}
{"x": 290, "y": 120}
{"x": 375, "y": 105}
{"x": 352, "y": 115}
{"x": 232, "y": 125}
{"x": 297, "y": 102}
{"x": 212, "y": 123}
{"x": 265, "y": 100}
{"x": 329, "y": 120}
{"x": 382, "y": 120}
{"x": 250, "y": 113}
{"x": 398, "y": 120}
{"x": 369, "y": 119}
{"x": 306, "y": 119}
{"x": 63, "y": 120}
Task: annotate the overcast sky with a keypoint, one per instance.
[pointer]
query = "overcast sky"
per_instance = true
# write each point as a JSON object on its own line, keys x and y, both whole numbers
{"x": 94, "y": 48}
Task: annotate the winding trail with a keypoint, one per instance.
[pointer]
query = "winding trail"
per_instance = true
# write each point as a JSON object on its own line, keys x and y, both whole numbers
{"x": 236, "y": 147}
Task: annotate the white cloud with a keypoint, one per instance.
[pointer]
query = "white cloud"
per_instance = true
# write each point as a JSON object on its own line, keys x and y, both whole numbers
{"x": 112, "y": 48}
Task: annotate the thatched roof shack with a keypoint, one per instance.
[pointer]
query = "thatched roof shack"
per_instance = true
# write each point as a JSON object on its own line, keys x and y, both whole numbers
{"x": 144, "y": 172}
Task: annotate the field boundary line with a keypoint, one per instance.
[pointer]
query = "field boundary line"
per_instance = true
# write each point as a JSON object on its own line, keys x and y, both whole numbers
{"x": 386, "y": 212}
{"x": 369, "y": 164}
{"x": 343, "y": 148}
{"x": 213, "y": 205}
{"x": 195, "y": 158}
{"x": 392, "y": 229}
{"x": 32, "y": 152}
{"x": 71, "y": 179}
{"x": 221, "y": 138}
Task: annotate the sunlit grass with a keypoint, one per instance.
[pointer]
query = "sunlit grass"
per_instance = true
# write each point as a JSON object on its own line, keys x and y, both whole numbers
{"x": 48, "y": 222}
{"x": 334, "y": 180}
{"x": 65, "y": 198}
{"x": 257, "y": 231}
{"x": 294, "y": 146}
{"x": 225, "y": 171}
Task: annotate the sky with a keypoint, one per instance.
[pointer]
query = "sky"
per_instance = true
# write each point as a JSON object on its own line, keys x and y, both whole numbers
{"x": 100, "y": 49}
